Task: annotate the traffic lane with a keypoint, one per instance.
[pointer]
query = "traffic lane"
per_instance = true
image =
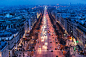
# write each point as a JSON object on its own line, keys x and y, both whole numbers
{"x": 57, "y": 53}
{"x": 49, "y": 52}
{"x": 54, "y": 42}
{"x": 44, "y": 50}
{"x": 54, "y": 53}
{"x": 48, "y": 38}
{"x": 41, "y": 45}
{"x": 51, "y": 30}
{"x": 29, "y": 41}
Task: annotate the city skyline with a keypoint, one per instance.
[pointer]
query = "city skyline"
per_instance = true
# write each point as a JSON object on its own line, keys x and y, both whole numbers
{"x": 43, "y": 30}
{"x": 39, "y": 2}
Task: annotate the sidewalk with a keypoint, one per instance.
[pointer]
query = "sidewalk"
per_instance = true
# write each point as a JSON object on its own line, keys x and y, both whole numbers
{"x": 72, "y": 52}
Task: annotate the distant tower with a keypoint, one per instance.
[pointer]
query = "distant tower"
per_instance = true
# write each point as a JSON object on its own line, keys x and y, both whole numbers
{"x": 70, "y": 4}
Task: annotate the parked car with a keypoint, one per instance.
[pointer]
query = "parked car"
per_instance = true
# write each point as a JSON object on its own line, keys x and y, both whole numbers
{"x": 55, "y": 48}
{"x": 51, "y": 50}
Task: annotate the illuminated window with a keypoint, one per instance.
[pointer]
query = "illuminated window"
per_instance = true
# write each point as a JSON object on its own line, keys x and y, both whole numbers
{"x": 0, "y": 54}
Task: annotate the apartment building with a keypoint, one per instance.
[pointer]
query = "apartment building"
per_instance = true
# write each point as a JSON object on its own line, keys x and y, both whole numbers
{"x": 11, "y": 36}
{"x": 4, "y": 49}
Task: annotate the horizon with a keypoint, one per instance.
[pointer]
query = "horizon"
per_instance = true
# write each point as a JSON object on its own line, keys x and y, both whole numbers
{"x": 38, "y": 2}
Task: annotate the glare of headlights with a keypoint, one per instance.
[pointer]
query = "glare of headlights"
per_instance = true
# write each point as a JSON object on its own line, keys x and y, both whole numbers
{"x": 39, "y": 51}
{"x": 44, "y": 47}
{"x": 46, "y": 43}
{"x": 42, "y": 40}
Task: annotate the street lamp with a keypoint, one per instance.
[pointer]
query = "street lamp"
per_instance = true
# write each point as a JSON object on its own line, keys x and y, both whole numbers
{"x": 64, "y": 34}
{"x": 15, "y": 48}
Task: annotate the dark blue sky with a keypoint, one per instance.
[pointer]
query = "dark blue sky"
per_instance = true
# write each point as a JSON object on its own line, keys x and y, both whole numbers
{"x": 36, "y": 2}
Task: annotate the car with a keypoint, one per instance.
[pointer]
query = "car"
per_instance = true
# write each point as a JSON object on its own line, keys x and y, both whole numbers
{"x": 44, "y": 34}
{"x": 56, "y": 56}
{"x": 48, "y": 31}
{"x": 58, "y": 48}
{"x": 39, "y": 46}
{"x": 49, "y": 38}
{"x": 56, "y": 42}
{"x": 85, "y": 52}
{"x": 81, "y": 53}
{"x": 53, "y": 37}
{"x": 38, "y": 41}
{"x": 51, "y": 42}
{"x": 51, "y": 47}
{"x": 51, "y": 50}
{"x": 55, "y": 48}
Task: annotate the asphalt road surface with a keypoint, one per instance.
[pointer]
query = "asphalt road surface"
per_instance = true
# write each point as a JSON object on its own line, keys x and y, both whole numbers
{"x": 45, "y": 46}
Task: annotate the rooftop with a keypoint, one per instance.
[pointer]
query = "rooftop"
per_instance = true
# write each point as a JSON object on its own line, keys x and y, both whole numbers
{"x": 13, "y": 31}
{"x": 82, "y": 29}
{"x": 5, "y": 34}
{"x": 8, "y": 34}
{"x": 3, "y": 44}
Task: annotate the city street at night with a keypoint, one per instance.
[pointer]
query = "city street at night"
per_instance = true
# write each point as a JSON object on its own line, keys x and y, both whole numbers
{"x": 46, "y": 42}
{"x": 42, "y": 28}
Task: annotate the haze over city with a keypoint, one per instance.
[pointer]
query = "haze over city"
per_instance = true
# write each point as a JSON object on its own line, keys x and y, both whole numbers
{"x": 37, "y": 2}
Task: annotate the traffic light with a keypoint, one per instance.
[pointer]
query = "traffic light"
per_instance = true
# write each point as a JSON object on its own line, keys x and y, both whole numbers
{"x": 74, "y": 48}
{"x": 77, "y": 41}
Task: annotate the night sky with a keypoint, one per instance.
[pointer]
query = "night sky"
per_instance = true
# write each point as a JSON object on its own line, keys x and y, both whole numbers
{"x": 37, "y": 2}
